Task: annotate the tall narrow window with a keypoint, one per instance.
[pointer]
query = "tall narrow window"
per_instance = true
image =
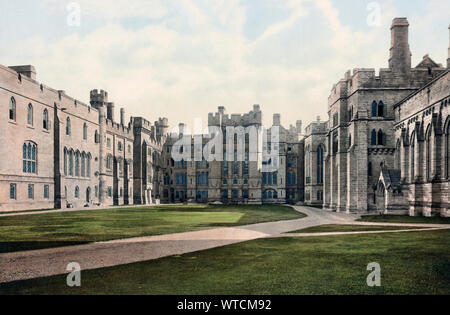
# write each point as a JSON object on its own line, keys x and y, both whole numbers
{"x": 68, "y": 126}
{"x": 380, "y": 140}
{"x": 12, "y": 191}
{"x": 77, "y": 164}
{"x": 30, "y": 115}
{"x": 413, "y": 152}
{"x": 12, "y": 109}
{"x": 45, "y": 120}
{"x": 428, "y": 154}
{"x": 85, "y": 132}
{"x": 46, "y": 191}
{"x": 447, "y": 151}
{"x": 83, "y": 165}
{"x": 369, "y": 169}
{"x": 88, "y": 166}
{"x": 374, "y": 109}
{"x": 320, "y": 165}
{"x": 374, "y": 138}
{"x": 77, "y": 192}
{"x": 30, "y": 191}
{"x": 70, "y": 163}
{"x": 381, "y": 109}
{"x": 29, "y": 157}
{"x": 65, "y": 161}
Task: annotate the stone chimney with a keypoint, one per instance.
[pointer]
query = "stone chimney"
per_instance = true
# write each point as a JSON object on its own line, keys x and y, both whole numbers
{"x": 110, "y": 111}
{"x": 122, "y": 116}
{"x": 400, "y": 54}
{"x": 181, "y": 129}
{"x": 28, "y": 71}
{"x": 276, "y": 119}
{"x": 299, "y": 126}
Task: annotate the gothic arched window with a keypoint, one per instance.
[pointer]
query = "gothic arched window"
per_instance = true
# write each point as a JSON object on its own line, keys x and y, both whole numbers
{"x": 29, "y": 162}
{"x": 380, "y": 138}
{"x": 77, "y": 192}
{"x": 381, "y": 109}
{"x": 30, "y": 114}
{"x": 83, "y": 164}
{"x": 45, "y": 120}
{"x": 374, "y": 109}
{"x": 70, "y": 163}
{"x": 77, "y": 164}
{"x": 428, "y": 153}
{"x": 320, "y": 165}
{"x": 12, "y": 109}
{"x": 85, "y": 132}
{"x": 88, "y": 165}
{"x": 65, "y": 161}
{"x": 68, "y": 126}
{"x": 374, "y": 137}
{"x": 413, "y": 158}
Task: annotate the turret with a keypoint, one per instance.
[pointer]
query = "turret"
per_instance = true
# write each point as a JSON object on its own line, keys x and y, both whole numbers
{"x": 400, "y": 54}
{"x": 98, "y": 99}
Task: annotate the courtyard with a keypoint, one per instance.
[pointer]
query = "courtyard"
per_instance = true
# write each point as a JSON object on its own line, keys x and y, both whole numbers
{"x": 204, "y": 250}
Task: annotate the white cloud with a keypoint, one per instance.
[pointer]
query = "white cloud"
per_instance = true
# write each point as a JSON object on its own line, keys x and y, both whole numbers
{"x": 206, "y": 61}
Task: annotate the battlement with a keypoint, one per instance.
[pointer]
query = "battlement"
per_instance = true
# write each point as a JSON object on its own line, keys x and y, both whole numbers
{"x": 116, "y": 128}
{"x": 316, "y": 127}
{"x": 219, "y": 118}
{"x": 99, "y": 96}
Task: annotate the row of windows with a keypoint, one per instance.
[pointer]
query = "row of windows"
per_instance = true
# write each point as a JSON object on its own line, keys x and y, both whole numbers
{"x": 12, "y": 113}
{"x": 30, "y": 191}
{"x": 270, "y": 178}
{"x": 378, "y": 109}
{"x": 181, "y": 179}
{"x": 291, "y": 178}
{"x": 235, "y": 193}
{"x": 235, "y": 181}
{"x": 203, "y": 178}
{"x": 81, "y": 159}
{"x": 378, "y": 138}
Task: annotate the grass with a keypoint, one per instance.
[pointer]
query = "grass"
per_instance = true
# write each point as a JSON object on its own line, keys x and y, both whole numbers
{"x": 404, "y": 219}
{"x": 411, "y": 263}
{"x": 26, "y": 211}
{"x": 70, "y": 228}
{"x": 352, "y": 228}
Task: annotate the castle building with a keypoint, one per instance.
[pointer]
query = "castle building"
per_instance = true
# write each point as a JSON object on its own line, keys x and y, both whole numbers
{"x": 315, "y": 140}
{"x": 64, "y": 153}
{"x": 361, "y": 141}
{"x": 385, "y": 147}
{"x": 234, "y": 180}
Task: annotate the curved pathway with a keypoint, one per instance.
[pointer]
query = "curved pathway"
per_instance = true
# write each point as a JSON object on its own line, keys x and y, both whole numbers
{"x": 54, "y": 261}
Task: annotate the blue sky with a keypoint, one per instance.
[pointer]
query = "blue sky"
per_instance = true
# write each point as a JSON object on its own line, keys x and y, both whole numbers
{"x": 183, "y": 58}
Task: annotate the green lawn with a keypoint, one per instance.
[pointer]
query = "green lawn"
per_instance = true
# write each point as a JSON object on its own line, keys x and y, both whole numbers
{"x": 411, "y": 263}
{"x": 352, "y": 228}
{"x": 69, "y": 228}
{"x": 404, "y": 219}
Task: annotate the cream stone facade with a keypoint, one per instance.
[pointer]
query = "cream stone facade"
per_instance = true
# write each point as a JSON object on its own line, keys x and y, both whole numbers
{"x": 362, "y": 141}
{"x": 385, "y": 147}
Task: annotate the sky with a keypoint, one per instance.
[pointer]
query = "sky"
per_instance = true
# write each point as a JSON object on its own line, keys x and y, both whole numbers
{"x": 181, "y": 59}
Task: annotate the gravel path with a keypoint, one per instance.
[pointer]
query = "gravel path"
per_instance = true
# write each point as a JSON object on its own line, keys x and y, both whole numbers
{"x": 54, "y": 261}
